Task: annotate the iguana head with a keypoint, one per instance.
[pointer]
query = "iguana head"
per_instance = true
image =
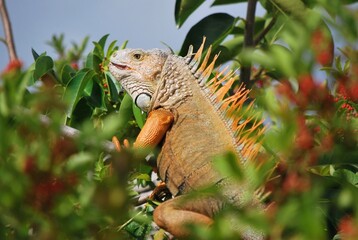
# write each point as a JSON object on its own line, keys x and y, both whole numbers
{"x": 138, "y": 71}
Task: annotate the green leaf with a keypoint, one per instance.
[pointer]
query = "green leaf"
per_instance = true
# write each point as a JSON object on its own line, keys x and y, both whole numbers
{"x": 112, "y": 88}
{"x": 277, "y": 57}
{"x": 223, "y": 2}
{"x": 112, "y": 47}
{"x": 295, "y": 8}
{"x": 124, "y": 114}
{"x": 99, "y": 46}
{"x": 283, "y": 60}
{"x": 96, "y": 95}
{"x": 83, "y": 45}
{"x": 124, "y": 45}
{"x": 79, "y": 160}
{"x": 67, "y": 73}
{"x": 93, "y": 61}
{"x": 339, "y": 155}
{"x": 215, "y": 27}
{"x": 138, "y": 230}
{"x": 229, "y": 49}
{"x": 228, "y": 165}
{"x": 25, "y": 81}
{"x": 74, "y": 89}
{"x": 184, "y": 8}
{"x": 138, "y": 115}
{"x": 347, "y": 175}
{"x": 82, "y": 112}
{"x": 43, "y": 65}
{"x": 34, "y": 54}
{"x": 103, "y": 40}
{"x": 98, "y": 50}
{"x": 141, "y": 176}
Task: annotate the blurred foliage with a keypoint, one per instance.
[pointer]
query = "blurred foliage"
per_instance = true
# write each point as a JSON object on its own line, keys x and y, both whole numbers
{"x": 305, "y": 85}
{"x": 55, "y": 186}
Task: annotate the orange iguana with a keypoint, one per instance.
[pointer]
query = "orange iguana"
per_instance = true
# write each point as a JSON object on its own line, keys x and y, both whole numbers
{"x": 190, "y": 116}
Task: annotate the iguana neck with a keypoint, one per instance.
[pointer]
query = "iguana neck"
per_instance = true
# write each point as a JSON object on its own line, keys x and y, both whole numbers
{"x": 174, "y": 87}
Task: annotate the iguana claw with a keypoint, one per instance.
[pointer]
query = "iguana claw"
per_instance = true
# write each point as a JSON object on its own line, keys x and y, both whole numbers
{"x": 160, "y": 193}
{"x": 117, "y": 144}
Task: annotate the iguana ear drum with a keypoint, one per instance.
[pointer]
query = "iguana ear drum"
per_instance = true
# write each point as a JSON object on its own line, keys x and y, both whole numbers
{"x": 143, "y": 101}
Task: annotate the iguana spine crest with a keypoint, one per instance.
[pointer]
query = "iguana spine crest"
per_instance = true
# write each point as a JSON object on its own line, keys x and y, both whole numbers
{"x": 228, "y": 107}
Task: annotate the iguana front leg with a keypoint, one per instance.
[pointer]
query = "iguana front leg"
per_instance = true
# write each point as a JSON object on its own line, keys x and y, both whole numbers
{"x": 154, "y": 129}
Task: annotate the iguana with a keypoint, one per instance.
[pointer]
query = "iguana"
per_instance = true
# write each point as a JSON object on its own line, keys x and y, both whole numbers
{"x": 194, "y": 120}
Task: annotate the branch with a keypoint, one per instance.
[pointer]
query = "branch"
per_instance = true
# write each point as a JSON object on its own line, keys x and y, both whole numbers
{"x": 9, "y": 40}
{"x": 74, "y": 133}
{"x": 248, "y": 40}
{"x": 265, "y": 31}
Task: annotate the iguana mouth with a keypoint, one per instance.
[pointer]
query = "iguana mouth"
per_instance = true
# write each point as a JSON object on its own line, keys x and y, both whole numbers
{"x": 121, "y": 66}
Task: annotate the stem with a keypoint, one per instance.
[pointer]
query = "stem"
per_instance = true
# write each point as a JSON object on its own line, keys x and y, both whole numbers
{"x": 265, "y": 31}
{"x": 8, "y": 31}
{"x": 248, "y": 40}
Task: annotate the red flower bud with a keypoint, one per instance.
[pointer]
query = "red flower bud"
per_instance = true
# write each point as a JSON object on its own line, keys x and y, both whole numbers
{"x": 306, "y": 84}
{"x": 13, "y": 65}
{"x": 74, "y": 65}
{"x": 322, "y": 45}
{"x": 347, "y": 228}
{"x": 304, "y": 137}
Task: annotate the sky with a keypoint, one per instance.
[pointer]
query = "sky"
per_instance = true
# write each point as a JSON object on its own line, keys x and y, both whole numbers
{"x": 144, "y": 23}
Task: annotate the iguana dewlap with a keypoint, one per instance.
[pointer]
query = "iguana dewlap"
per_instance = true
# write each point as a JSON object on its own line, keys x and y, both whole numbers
{"x": 190, "y": 116}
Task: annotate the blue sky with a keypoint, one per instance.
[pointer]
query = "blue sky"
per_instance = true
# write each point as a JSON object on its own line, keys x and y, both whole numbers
{"x": 144, "y": 23}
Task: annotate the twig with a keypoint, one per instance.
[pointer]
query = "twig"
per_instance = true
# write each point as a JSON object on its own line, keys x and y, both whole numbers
{"x": 9, "y": 40}
{"x": 265, "y": 31}
{"x": 74, "y": 133}
{"x": 141, "y": 201}
{"x": 144, "y": 189}
{"x": 119, "y": 228}
{"x": 248, "y": 40}
{"x": 257, "y": 74}
{"x": 71, "y": 132}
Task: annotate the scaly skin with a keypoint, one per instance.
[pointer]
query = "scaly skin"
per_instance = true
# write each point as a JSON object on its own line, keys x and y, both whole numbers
{"x": 193, "y": 132}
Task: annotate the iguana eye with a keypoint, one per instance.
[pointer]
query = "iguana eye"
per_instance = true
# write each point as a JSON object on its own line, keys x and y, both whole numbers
{"x": 137, "y": 56}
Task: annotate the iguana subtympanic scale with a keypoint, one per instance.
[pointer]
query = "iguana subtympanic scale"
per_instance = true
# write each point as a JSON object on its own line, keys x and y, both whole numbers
{"x": 190, "y": 113}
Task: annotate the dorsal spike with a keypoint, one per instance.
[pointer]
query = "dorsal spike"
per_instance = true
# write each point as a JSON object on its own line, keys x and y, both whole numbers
{"x": 212, "y": 84}
{"x": 217, "y": 76}
{"x": 225, "y": 88}
{"x": 194, "y": 65}
{"x": 206, "y": 73}
{"x": 198, "y": 54}
{"x": 219, "y": 82}
{"x": 205, "y": 61}
{"x": 189, "y": 55}
{"x": 229, "y": 75}
{"x": 190, "y": 51}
